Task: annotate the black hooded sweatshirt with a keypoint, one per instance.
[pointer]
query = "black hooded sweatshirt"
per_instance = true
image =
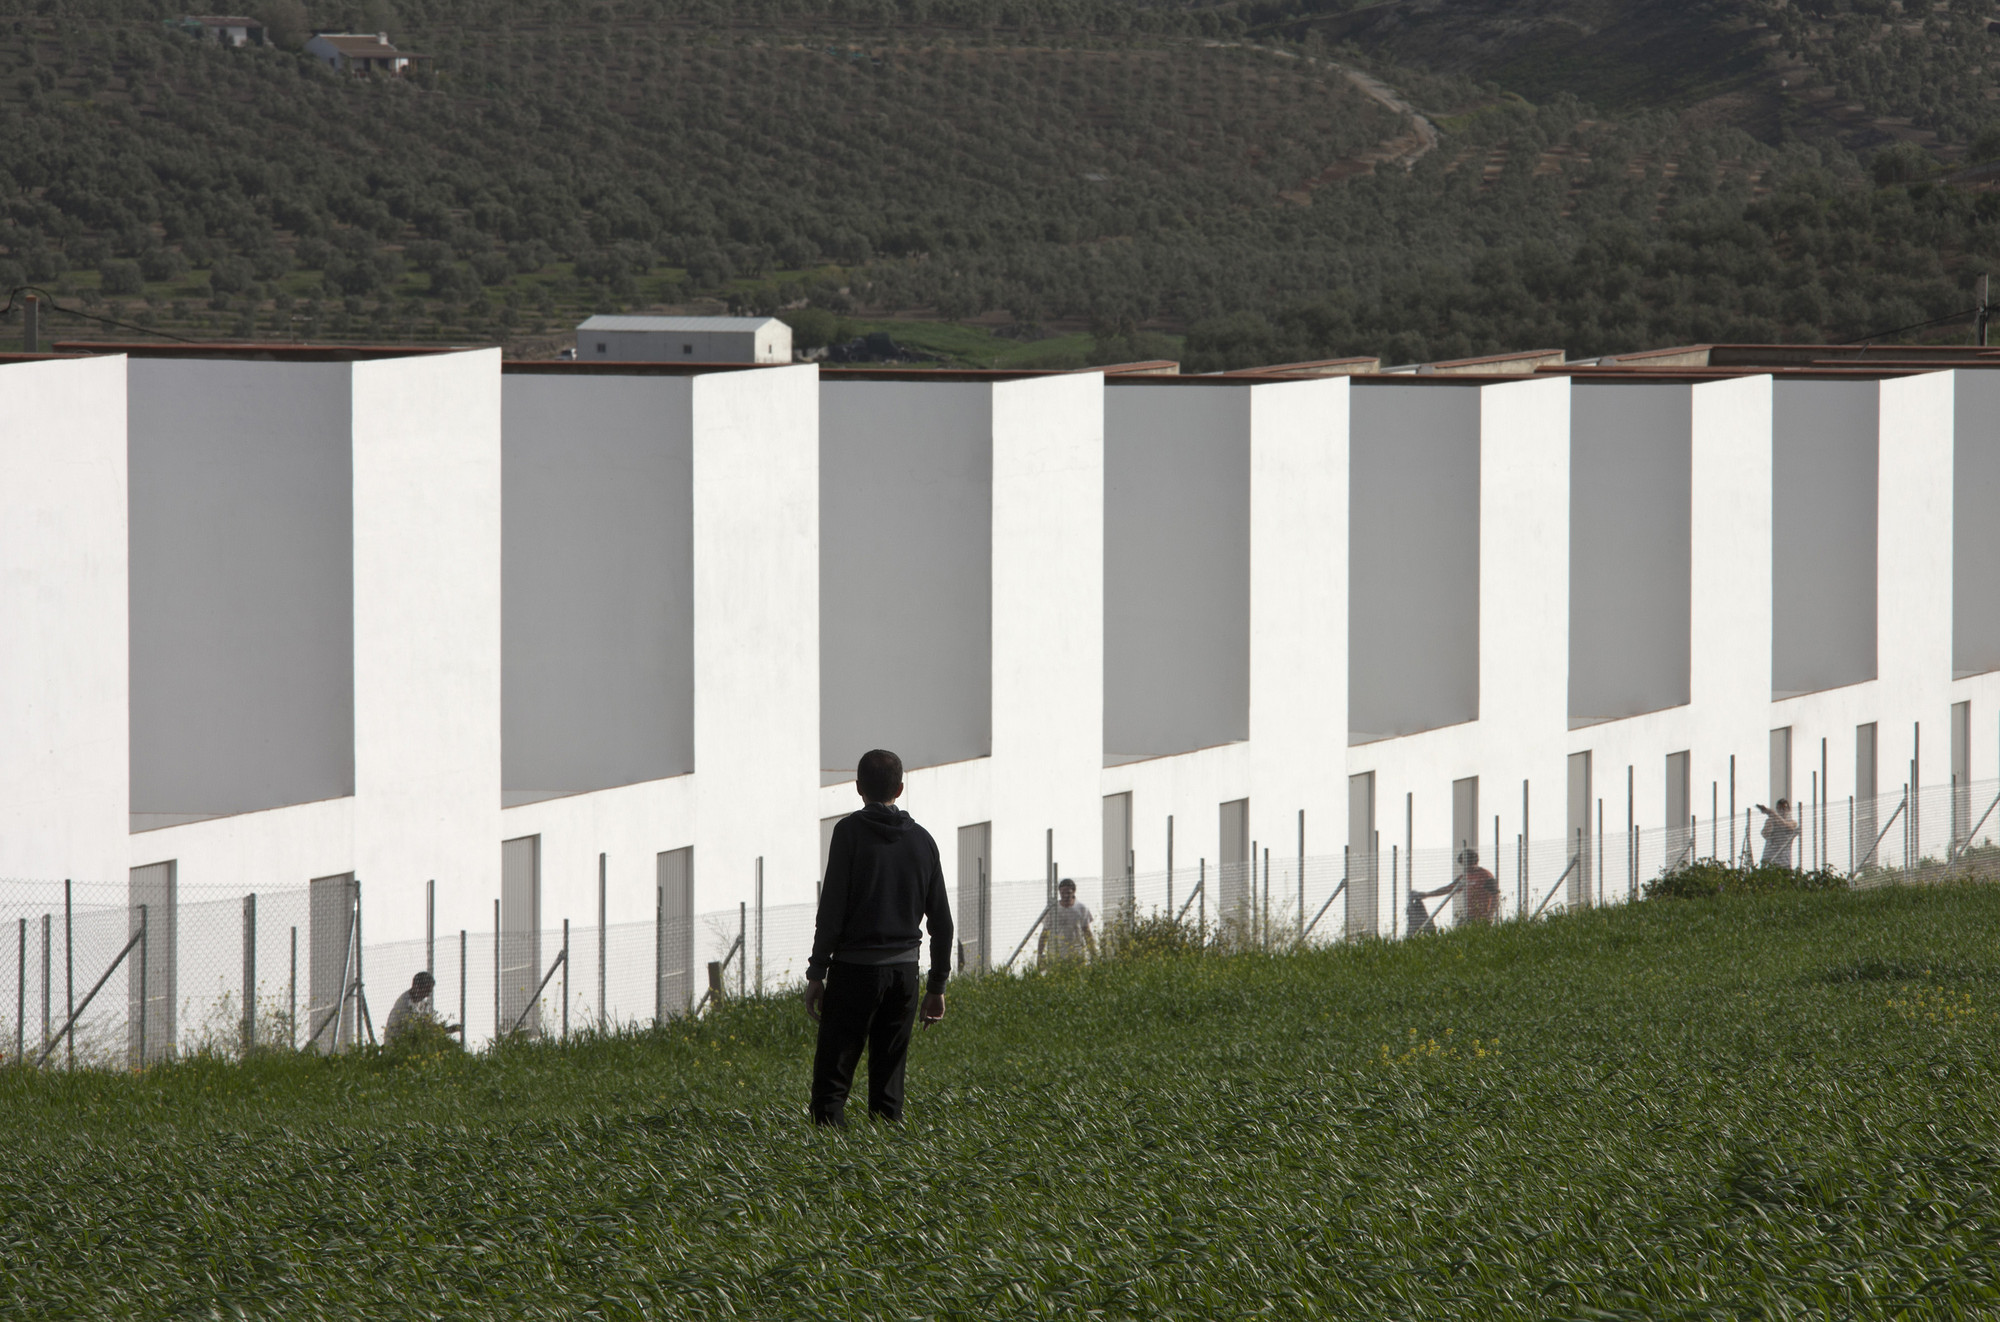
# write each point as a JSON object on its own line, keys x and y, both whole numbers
{"x": 883, "y": 878}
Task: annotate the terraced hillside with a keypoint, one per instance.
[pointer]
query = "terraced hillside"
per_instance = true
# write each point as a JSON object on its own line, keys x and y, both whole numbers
{"x": 1031, "y": 182}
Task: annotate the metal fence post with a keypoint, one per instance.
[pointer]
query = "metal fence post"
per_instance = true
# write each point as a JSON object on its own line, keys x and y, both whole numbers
{"x": 21, "y": 999}
{"x": 69, "y": 973}
{"x": 430, "y": 927}
{"x": 760, "y": 924}
{"x": 1170, "y": 868}
{"x": 461, "y": 988}
{"x": 603, "y": 1020}
{"x": 1302, "y": 876}
{"x": 249, "y": 972}
{"x": 496, "y": 971}
{"x": 361, "y": 1015}
{"x": 144, "y": 962}
{"x": 1396, "y": 900}
{"x": 742, "y": 964}
{"x": 292, "y": 997}
{"x": 45, "y": 985}
{"x": 1265, "y": 922}
{"x": 565, "y": 959}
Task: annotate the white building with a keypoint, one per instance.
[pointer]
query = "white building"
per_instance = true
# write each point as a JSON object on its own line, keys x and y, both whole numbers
{"x": 359, "y": 52}
{"x": 227, "y": 29}
{"x": 611, "y": 339}
{"x": 555, "y": 641}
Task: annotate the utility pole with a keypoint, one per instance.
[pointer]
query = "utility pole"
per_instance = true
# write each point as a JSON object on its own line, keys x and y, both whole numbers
{"x": 1981, "y": 313}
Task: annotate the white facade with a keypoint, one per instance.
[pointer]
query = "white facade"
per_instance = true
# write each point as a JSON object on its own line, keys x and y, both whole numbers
{"x": 617, "y": 339}
{"x": 283, "y": 620}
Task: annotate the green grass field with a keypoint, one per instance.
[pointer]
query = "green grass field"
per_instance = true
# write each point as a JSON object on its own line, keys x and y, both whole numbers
{"x": 1766, "y": 1107}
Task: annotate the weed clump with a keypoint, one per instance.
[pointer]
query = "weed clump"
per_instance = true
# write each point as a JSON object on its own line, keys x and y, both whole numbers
{"x": 1155, "y": 937}
{"x": 1706, "y": 879}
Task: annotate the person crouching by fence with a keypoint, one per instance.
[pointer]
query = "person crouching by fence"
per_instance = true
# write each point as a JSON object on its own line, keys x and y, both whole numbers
{"x": 1067, "y": 936}
{"x": 883, "y": 878}
{"x": 412, "y": 1009}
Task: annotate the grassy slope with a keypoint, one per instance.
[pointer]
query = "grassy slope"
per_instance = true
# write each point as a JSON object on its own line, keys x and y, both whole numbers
{"x": 1778, "y": 1107}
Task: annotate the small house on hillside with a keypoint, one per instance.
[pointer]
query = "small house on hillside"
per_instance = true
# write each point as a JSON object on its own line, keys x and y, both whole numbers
{"x": 227, "y": 29}
{"x": 605, "y": 339}
{"x": 360, "y": 52}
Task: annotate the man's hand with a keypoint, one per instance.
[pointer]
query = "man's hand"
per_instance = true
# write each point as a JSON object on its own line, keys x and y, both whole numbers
{"x": 815, "y": 994}
{"x": 933, "y": 1009}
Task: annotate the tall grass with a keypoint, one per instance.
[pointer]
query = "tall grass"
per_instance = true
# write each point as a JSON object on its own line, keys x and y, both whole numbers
{"x": 1750, "y": 1106}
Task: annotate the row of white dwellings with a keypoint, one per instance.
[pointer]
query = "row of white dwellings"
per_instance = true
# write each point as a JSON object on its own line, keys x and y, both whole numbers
{"x": 610, "y": 637}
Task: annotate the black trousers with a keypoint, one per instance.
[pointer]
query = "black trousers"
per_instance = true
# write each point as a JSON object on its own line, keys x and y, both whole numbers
{"x": 871, "y": 1005}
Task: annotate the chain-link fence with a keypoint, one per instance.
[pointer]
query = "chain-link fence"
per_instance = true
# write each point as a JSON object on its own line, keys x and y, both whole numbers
{"x": 115, "y": 975}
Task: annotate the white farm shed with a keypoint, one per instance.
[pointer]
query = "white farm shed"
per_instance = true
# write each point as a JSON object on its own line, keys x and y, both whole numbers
{"x": 607, "y": 339}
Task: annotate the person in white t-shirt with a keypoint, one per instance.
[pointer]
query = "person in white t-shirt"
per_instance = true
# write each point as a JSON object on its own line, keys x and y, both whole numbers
{"x": 1067, "y": 934}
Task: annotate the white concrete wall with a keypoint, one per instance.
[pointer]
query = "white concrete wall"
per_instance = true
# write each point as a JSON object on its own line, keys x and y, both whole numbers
{"x": 1048, "y": 622}
{"x": 242, "y": 565}
{"x": 757, "y": 633}
{"x": 1176, "y": 565}
{"x": 906, "y": 566}
{"x": 957, "y": 528}
{"x": 1299, "y": 467}
{"x": 427, "y": 503}
{"x": 64, "y": 730}
{"x": 598, "y": 625}
{"x": 1630, "y": 473}
{"x": 1414, "y": 568}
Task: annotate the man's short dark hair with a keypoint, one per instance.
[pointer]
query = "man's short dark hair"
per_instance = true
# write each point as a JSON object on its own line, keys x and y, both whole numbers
{"x": 423, "y": 976}
{"x": 878, "y": 774}
{"x": 1066, "y": 883}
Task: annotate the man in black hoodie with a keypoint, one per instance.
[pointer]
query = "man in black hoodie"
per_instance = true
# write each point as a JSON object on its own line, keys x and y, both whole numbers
{"x": 883, "y": 878}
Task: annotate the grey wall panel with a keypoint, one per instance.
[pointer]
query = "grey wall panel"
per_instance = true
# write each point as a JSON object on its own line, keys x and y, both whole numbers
{"x": 1630, "y": 549}
{"x": 1413, "y": 601}
{"x": 1975, "y": 532}
{"x": 1176, "y": 568}
{"x": 1824, "y": 501}
{"x": 242, "y": 585}
{"x": 906, "y": 572}
{"x": 597, "y": 567}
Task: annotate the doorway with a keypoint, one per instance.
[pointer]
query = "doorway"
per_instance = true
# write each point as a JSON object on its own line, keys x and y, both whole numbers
{"x": 673, "y": 934}
{"x": 1117, "y": 873}
{"x": 975, "y": 897}
{"x": 1363, "y": 867}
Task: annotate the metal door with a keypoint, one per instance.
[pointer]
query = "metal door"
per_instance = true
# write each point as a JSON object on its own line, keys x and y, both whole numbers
{"x": 1363, "y": 870}
{"x": 674, "y": 934}
{"x": 1117, "y": 871}
{"x": 1232, "y": 895}
{"x": 331, "y": 1013}
{"x": 1578, "y": 854}
{"x": 974, "y": 916}
{"x": 151, "y": 1031}
{"x": 1961, "y": 772}
{"x": 1862, "y": 850}
{"x": 520, "y": 935}
{"x": 1680, "y": 828}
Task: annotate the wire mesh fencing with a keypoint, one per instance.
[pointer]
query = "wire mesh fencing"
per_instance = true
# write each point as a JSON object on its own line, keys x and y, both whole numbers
{"x": 123, "y": 975}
